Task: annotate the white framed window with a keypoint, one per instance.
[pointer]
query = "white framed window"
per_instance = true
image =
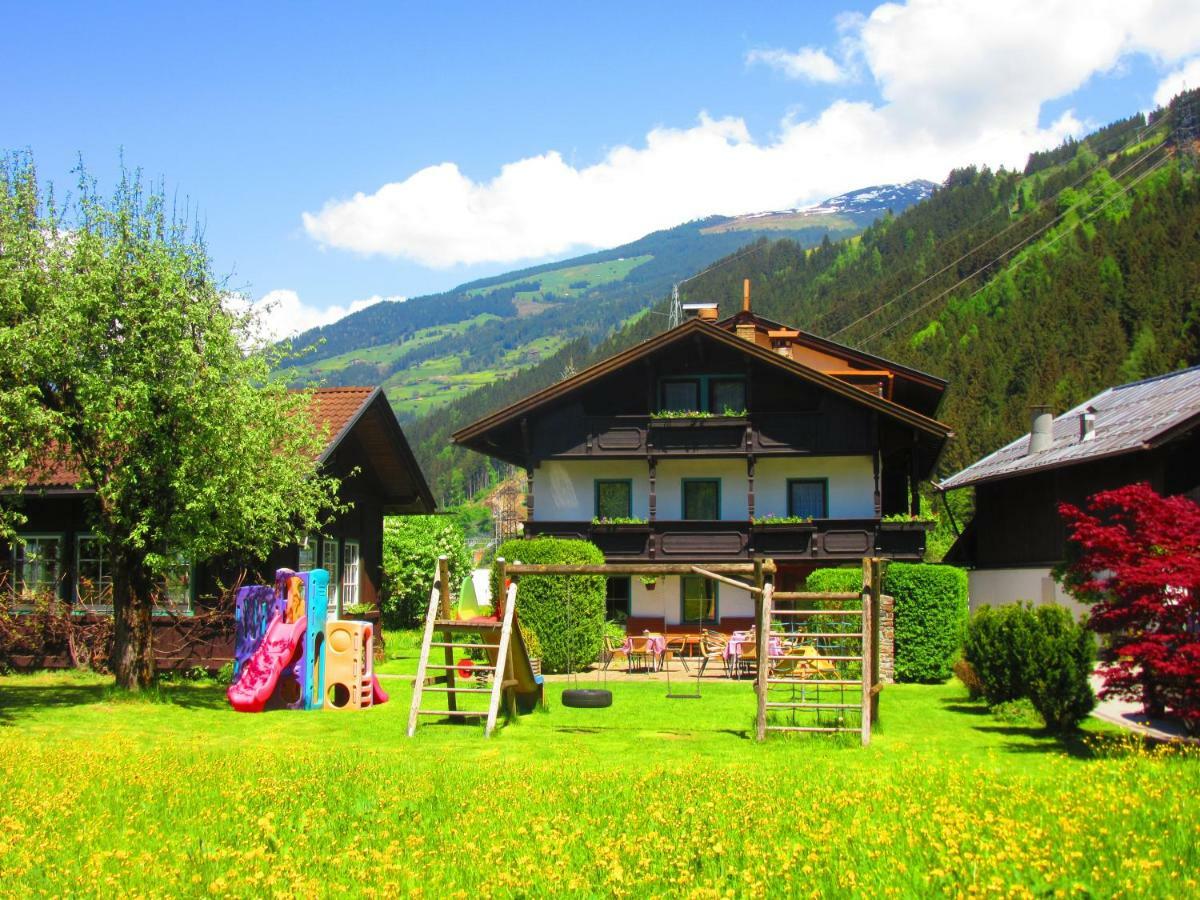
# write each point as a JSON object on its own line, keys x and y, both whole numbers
{"x": 350, "y": 570}
{"x": 37, "y": 567}
{"x": 175, "y": 592}
{"x": 93, "y": 574}
{"x": 307, "y": 560}
{"x": 329, "y": 561}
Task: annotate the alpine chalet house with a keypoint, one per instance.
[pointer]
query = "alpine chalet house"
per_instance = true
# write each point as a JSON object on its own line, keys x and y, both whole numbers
{"x": 56, "y": 554}
{"x": 1145, "y": 431}
{"x": 723, "y": 441}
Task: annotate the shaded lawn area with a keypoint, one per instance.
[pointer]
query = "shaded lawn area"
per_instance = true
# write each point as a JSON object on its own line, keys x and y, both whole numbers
{"x": 179, "y": 795}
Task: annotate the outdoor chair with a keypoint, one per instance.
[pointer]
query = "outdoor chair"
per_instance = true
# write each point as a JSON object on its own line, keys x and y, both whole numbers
{"x": 676, "y": 644}
{"x": 612, "y": 651}
{"x": 747, "y": 657}
{"x": 712, "y": 646}
{"x": 639, "y": 650}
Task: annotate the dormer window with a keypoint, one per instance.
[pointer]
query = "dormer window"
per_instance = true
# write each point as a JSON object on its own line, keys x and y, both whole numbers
{"x": 713, "y": 394}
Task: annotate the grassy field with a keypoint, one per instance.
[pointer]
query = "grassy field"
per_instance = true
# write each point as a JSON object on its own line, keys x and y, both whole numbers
{"x": 177, "y": 795}
{"x": 559, "y": 281}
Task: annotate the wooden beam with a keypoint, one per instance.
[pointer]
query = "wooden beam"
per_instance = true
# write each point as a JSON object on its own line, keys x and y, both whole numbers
{"x": 443, "y": 581}
{"x": 634, "y": 568}
{"x": 762, "y": 618}
{"x": 866, "y": 653}
{"x": 876, "y": 636}
{"x": 732, "y": 582}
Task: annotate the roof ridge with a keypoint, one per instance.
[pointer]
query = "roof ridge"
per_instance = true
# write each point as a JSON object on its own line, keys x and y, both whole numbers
{"x": 1152, "y": 378}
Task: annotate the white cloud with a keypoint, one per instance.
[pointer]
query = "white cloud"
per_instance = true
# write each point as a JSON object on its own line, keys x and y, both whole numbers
{"x": 1186, "y": 77}
{"x": 960, "y": 83}
{"x": 807, "y": 63}
{"x": 281, "y": 313}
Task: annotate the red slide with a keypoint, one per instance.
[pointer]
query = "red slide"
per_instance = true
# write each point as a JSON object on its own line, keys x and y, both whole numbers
{"x": 378, "y": 694}
{"x": 258, "y": 679}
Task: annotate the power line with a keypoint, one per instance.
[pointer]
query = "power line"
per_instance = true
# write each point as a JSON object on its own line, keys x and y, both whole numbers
{"x": 1137, "y": 138}
{"x": 1124, "y": 189}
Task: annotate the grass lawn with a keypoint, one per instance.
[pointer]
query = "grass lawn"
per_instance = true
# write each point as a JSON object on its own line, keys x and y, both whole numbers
{"x": 178, "y": 795}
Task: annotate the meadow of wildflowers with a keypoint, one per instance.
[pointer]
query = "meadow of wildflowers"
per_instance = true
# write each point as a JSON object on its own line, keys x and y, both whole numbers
{"x": 179, "y": 796}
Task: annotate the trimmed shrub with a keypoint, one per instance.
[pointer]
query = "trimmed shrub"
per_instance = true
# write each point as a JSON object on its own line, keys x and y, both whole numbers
{"x": 566, "y": 613}
{"x": 1064, "y": 652}
{"x": 931, "y": 613}
{"x": 965, "y": 673}
{"x": 999, "y": 646}
{"x": 835, "y": 581}
{"x": 411, "y": 547}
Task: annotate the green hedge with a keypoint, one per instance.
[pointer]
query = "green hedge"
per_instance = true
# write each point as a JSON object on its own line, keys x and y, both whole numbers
{"x": 411, "y": 547}
{"x": 1042, "y": 654}
{"x": 565, "y": 612}
{"x": 930, "y": 613}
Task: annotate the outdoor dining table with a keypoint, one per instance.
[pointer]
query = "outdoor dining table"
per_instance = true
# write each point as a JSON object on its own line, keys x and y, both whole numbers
{"x": 656, "y": 646}
{"x": 739, "y": 639}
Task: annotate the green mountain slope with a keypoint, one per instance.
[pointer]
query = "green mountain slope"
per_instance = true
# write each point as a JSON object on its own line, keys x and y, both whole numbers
{"x": 1042, "y": 286}
{"x": 431, "y": 351}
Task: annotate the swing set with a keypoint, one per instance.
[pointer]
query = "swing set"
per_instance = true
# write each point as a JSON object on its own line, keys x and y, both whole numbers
{"x": 814, "y": 651}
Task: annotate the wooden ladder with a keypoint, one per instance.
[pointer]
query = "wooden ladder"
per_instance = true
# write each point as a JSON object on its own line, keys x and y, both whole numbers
{"x": 439, "y": 622}
{"x": 824, "y": 672}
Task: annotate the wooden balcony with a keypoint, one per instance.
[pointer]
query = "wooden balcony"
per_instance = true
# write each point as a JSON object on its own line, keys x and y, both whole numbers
{"x": 761, "y": 434}
{"x": 824, "y": 540}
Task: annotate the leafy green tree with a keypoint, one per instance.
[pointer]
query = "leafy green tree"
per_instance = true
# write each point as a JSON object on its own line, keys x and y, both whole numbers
{"x": 411, "y": 547}
{"x": 120, "y": 356}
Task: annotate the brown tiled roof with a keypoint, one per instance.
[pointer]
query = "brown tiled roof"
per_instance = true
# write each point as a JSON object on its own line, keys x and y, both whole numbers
{"x": 335, "y": 407}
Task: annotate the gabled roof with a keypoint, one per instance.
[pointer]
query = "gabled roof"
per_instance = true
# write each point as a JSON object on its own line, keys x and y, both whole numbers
{"x": 713, "y": 332}
{"x": 340, "y": 409}
{"x": 1131, "y": 417}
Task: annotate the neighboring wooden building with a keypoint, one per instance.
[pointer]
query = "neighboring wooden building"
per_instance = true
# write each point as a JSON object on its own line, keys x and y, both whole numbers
{"x": 57, "y": 554}
{"x": 786, "y": 425}
{"x": 1145, "y": 431}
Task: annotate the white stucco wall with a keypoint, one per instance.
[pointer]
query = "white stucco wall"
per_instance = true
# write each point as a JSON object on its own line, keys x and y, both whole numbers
{"x": 997, "y": 587}
{"x": 851, "y": 484}
{"x": 669, "y": 485}
{"x": 664, "y": 600}
{"x": 564, "y": 490}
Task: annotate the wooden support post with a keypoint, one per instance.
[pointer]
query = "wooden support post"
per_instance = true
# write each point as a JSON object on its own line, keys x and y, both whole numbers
{"x": 750, "y": 486}
{"x": 501, "y": 569}
{"x": 866, "y": 653}
{"x": 653, "y": 501}
{"x": 445, "y": 611}
{"x": 914, "y": 496}
{"x": 876, "y": 633}
{"x": 762, "y": 619}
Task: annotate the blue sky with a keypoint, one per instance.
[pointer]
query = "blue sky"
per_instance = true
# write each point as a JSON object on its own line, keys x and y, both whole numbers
{"x": 612, "y": 119}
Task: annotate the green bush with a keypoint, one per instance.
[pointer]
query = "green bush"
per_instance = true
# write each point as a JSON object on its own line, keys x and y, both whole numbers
{"x": 411, "y": 547}
{"x": 930, "y": 613}
{"x": 999, "y": 646}
{"x": 1040, "y": 654}
{"x": 1064, "y": 652}
{"x": 566, "y": 613}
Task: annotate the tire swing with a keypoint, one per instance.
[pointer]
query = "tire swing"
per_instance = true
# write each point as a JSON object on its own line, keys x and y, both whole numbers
{"x": 576, "y": 697}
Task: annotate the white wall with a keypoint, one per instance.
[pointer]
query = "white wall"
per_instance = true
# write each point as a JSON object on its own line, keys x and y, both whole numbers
{"x": 669, "y": 485}
{"x": 564, "y": 490}
{"x": 664, "y": 601}
{"x": 851, "y": 484}
{"x": 997, "y": 587}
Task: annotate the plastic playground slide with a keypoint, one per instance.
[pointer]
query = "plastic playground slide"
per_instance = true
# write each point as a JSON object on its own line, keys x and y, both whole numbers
{"x": 378, "y": 694}
{"x": 261, "y": 673}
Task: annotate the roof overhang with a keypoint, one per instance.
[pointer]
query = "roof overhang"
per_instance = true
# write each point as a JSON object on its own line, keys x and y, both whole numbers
{"x": 538, "y": 400}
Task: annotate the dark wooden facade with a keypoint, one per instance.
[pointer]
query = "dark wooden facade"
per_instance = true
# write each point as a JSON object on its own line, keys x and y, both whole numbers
{"x": 792, "y": 411}
{"x": 1017, "y": 524}
{"x": 379, "y": 476}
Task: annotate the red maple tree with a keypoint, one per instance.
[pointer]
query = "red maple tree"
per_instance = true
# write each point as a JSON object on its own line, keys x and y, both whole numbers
{"x": 1136, "y": 560}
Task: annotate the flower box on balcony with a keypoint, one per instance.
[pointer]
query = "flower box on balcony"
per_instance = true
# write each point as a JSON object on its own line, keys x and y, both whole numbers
{"x": 694, "y": 421}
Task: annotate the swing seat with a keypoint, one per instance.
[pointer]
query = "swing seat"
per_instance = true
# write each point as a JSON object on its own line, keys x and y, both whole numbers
{"x": 587, "y": 698}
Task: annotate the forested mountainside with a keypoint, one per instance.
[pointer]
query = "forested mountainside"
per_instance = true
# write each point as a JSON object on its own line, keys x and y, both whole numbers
{"x": 430, "y": 351}
{"x": 1021, "y": 288}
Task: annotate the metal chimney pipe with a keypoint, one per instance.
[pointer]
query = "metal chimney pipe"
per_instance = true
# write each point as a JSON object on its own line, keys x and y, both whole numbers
{"x": 1087, "y": 424}
{"x": 746, "y": 295}
{"x": 1041, "y": 431}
